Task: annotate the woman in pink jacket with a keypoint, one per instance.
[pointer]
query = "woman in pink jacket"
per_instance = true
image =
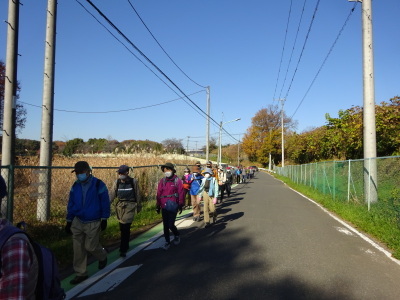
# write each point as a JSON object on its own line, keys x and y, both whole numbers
{"x": 170, "y": 200}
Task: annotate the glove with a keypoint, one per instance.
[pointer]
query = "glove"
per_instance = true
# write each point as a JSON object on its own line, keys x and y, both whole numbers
{"x": 158, "y": 209}
{"x": 180, "y": 209}
{"x": 68, "y": 228}
{"x": 215, "y": 200}
{"x": 103, "y": 225}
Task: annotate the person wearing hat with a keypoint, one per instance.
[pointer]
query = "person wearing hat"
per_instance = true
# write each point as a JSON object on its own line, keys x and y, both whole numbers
{"x": 170, "y": 200}
{"x": 195, "y": 179}
{"x": 221, "y": 182}
{"x": 209, "y": 192}
{"x": 186, "y": 185}
{"x": 198, "y": 165}
{"x": 87, "y": 213}
{"x": 126, "y": 198}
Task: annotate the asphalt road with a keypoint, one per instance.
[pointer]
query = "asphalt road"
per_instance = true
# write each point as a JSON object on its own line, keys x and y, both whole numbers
{"x": 268, "y": 243}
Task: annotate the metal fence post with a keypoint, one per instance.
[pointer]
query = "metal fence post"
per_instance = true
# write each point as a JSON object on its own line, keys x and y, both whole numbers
{"x": 10, "y": 197}
{"x": 348, "y": 182}
{"x": 334, "y": 180}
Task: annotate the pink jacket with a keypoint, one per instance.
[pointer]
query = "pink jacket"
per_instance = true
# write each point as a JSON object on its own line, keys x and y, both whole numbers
{"x": 172, "y": 188}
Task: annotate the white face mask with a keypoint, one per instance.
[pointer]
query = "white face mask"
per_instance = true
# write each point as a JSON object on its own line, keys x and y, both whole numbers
{"x": 207, "y": 175}
{"x": 195, "y": 174}
{"x": 168, "y": 174}
{"x": 186, "y": 173}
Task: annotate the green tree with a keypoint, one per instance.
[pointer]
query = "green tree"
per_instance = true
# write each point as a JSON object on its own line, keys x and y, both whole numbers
{"x": 72, "y": 146}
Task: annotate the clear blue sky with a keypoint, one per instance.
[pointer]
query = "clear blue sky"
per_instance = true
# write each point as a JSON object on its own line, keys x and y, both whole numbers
{"x": 232, "y": 46}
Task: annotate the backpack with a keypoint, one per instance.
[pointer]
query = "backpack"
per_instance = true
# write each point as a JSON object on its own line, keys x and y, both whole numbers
{"x": 119, "y": 182}
{"x": 48, "y": 286}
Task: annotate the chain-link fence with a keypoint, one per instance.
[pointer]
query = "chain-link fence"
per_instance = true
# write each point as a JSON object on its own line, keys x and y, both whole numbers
{"x": 41, "y": 193}
{"x": 348, "y": 180}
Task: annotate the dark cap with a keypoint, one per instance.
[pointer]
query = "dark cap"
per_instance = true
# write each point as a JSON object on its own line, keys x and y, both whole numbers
{"x": 198, "y": 163}
{"x": 169, "y": 166}
{"x": 123, "y": 169}
{"x": 195, "y": 169}
{"x": 80, "y": 167}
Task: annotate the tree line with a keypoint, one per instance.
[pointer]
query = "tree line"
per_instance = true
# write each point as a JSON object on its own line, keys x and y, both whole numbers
{"x": 340, "y": 139}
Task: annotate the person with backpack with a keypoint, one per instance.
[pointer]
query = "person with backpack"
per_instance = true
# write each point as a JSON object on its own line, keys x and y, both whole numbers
{"x": 126, "y": 199}
{"x": 186, "y": 185}
{"x": 195, "y": 179}
{"x": 209, "y": 192}
{"x": 229, "y": 181}
{"x": 87, "y": 213}
{"x": 238, "y": 175}
{"x": 170, "y": 200}
{"x": 222, "y": 183}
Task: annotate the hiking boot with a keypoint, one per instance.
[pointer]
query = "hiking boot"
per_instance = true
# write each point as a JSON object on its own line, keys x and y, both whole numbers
{"x": 177, "y": 240}
{"x": 78, "y": 279}
{"x": 166, "y": 246}
{"x": 102, "y": 263}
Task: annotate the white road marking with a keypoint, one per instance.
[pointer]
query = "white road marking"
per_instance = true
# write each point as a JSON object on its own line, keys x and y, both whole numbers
{"x": 361, "y": 235}
{"x": 344, "y": 230}
{"x": 111, "y": 281}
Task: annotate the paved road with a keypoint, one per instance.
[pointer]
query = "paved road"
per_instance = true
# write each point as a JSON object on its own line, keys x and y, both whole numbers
{"x": 268, "y": 243}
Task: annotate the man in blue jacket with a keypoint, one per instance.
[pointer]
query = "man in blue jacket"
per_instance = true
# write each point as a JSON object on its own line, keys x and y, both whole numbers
{"x": 87, "y": 214}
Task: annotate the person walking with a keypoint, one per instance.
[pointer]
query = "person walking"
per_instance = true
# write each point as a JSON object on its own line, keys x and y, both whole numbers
{"x": 238, "y": 174}
{"x": 126, "y": 198}
{"x": 229, "y": 182}
{"x": 195, "y": 179}
{"x": 221, "y": 183}
{"x": 87, "y": 213}
{"x": 170, "y": 200}
{"x": 186, "y": 185}
{"x": 19, "y": 266}
{"x": 209, "y": 192}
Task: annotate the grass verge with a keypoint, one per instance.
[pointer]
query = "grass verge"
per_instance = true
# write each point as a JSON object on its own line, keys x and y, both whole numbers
{"x": 381, "y": 222}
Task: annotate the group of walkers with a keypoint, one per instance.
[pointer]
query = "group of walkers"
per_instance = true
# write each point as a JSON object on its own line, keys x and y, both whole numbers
{"x": 90, "y": 201}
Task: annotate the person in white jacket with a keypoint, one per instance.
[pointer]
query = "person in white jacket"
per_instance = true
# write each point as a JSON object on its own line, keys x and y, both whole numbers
{"x": 209, "y": 192}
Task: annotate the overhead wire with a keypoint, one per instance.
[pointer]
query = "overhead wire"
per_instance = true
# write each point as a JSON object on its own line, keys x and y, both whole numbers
{"x": 113, "y": 111}
{"x": 326, "y": 58}
{"x": 304, "y": 46}
{"x": 162, "y": 48}
{"x": 137, "y": 57}
{"x": 148, "y": 60}
{"x": 294, "y": 46}
{"x": 283, "y": 48}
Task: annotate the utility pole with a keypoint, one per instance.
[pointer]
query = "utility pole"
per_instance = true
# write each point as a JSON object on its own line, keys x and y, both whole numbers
{"x": 208, "y": 125}
{"x": 187, "y": 147}
{"x": 10, "y": 98}
{"x": 269, "y": 158}
{"x": 46, "y": 141}
{"x": 283, "y": 138}
{"x": 238, "y": 152}
{"x": 369, "y": 129}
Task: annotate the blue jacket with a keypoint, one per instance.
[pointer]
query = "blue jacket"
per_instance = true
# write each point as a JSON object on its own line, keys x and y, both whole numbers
{"x": 195, "y": 185}
{"x": 96, "y": 205}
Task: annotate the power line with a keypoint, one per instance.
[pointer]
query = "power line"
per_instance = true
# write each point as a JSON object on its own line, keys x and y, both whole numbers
{"x": 326, "y": 58}
{"x": 137, "y": 57}
{"x": 294, "y": 45}
{"x": 112, "y": 111}
{"x": 283, "y": 48}
{"x": 148, "y": 59}
{"x": 304, "y": 45}
{"x": 162, "y": 46}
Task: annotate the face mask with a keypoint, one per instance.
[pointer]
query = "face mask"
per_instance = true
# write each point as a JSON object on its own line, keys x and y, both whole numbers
{"x": 194, "y": 174}
{"x": 122, "y": 177}
{"x": 207, "y": 175}
{"x": 186, "y": 173}
{"x": 168, "y": 174}
{"x": 82, "y": 177}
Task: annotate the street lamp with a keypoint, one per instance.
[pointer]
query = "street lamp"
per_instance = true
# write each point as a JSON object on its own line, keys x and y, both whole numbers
{"x": 220, "y": 139}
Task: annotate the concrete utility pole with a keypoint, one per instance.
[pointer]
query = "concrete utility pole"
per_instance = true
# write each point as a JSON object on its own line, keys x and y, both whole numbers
{"x": 46, "y": 141}
{"x": 369, "y": 129}
{"x": 238, "y": 152}
{"x": 283, "y": 138}
{"x": 208, "y": 125}
{"x": 10, "y": 98}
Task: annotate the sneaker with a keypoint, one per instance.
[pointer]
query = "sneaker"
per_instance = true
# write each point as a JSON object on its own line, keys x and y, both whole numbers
{"x": 177, "y": 240}
{"x": 78, "y": 279}
{"x": 166, "y": 246}
{"x": 207, "y": 225}
{"x": 214, "y": 217}
{"x": 102, "y": 263}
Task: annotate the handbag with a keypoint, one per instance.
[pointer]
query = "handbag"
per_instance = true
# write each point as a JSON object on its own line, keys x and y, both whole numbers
{"x": 171, "y": 206}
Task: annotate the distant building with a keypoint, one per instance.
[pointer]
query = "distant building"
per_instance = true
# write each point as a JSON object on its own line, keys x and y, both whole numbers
{"x": 195, "y": 153}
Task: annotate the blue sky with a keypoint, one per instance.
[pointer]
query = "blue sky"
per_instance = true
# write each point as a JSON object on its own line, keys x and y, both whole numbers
{"x": 232, "y": 46}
